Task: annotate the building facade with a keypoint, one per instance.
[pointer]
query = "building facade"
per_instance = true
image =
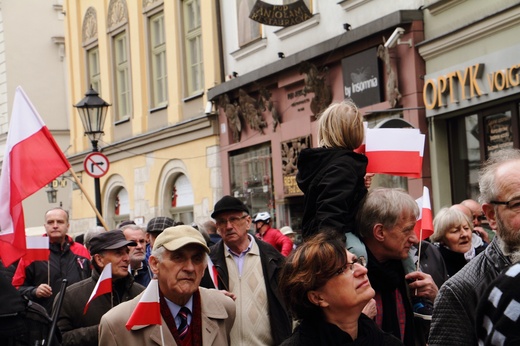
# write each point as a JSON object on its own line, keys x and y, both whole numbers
{"x": 279, "y": 78}
{"x": 33, "y": 57}
{"x": 471, "y": 90}
{"x": 152, "y": 61}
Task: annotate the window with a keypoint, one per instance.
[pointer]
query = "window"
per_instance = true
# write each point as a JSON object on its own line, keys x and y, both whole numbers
{"x": 248, "y": 30}
{"x": 251, "y": 178}
{"x": 182, "y": 200}
{"x": 159, "y": 82}
{"x": 193, "y": 46}
{"x": 122, "y": 76}
{"x": 93, "y": 69}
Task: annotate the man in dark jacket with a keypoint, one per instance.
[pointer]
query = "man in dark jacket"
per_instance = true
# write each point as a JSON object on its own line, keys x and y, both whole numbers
{"x": 79, "y": 328}
{"x": 453, "y": 320}
{"x": 249, "y": 268}
{"x": 40, "y": 281}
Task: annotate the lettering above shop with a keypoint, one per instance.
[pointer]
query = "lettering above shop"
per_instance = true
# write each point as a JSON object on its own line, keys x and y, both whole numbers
{"x": 280, "y": 15}
{"x": 484, "y": 79}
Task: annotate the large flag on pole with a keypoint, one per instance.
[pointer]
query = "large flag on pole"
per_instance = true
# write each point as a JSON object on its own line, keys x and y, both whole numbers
{"x": 148, "y": 310}
{"x": 103, "y": 285}
{"x": 424, "y": 226}
{"x": 32, "y": 159}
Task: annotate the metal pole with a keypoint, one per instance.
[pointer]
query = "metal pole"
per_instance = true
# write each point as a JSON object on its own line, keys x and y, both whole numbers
{"x": 97, "y": 189}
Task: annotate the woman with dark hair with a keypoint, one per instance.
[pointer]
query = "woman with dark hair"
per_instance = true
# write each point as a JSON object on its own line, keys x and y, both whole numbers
{"x": 326, "y": 289}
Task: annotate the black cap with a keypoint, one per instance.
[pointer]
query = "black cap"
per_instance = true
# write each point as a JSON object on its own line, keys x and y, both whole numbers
{"x": 228, "y": 203}
{"x": 159, "y": 224}
{"x": 110, "y": 240}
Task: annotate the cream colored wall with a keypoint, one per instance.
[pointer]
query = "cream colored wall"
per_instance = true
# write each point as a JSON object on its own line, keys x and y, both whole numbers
{"x": 148, "y": 166}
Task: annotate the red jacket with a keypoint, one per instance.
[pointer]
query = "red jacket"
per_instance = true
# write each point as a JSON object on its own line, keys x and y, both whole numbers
{"x": 281, "y": 242}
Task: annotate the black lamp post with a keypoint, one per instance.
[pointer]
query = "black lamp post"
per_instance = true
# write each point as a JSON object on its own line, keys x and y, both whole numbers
{"x": 93, "y": 112}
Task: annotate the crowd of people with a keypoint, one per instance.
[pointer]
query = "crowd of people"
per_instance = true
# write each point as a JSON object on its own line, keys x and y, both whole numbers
{"x": 360, "y": 275}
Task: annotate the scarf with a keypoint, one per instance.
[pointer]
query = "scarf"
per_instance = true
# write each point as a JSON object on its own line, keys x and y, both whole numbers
{"x": 387, "y": 279}
{"x": 194, "y": 336}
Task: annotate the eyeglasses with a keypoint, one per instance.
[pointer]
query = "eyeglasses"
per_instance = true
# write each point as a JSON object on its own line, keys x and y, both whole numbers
{"x": 234, "y": 220}
{"x": 350, "y": 265}
{"x": 513, "y": 204}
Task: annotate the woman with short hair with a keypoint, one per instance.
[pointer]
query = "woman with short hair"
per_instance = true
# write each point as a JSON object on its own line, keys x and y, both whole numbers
{"x": 326, "y": 288}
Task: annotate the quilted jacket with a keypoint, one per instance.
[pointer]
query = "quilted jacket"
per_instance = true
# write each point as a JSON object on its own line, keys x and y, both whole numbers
{"x": 453, "y": 320}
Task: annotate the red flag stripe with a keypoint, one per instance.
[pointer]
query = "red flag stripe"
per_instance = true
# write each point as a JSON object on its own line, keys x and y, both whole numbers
{"x": 394, "y": 162}
{"x": 148, "y": 309}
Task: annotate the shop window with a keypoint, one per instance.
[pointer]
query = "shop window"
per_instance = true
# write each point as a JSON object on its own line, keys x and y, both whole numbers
{"x": 251, "y": 178}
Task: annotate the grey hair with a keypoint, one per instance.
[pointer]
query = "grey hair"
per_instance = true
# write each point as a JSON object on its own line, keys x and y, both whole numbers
{"x": 384, "y": 206}
{"x": 489, "y": 188}
{"x": 446, "y": 219}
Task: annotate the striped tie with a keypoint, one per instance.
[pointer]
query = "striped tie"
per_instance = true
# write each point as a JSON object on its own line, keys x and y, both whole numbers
{"x": 183, "y": 327}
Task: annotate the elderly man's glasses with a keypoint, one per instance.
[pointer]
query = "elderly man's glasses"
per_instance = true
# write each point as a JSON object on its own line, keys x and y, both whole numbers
{"x": 350, "y": 265}
{"x": 234, "y": 220}
{"x": 513, "y": 204}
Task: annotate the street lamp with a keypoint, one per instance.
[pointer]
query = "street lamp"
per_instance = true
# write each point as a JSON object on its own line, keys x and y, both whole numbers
{"x": 52, "y": 193}
{"x": 93, "y": 112}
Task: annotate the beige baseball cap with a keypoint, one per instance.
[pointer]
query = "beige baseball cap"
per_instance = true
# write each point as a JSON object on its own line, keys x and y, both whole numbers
{"x": 173, "y": 238}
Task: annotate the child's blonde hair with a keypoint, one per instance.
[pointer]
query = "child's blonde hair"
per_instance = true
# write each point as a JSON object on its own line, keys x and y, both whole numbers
{"x": 341, "y": 126}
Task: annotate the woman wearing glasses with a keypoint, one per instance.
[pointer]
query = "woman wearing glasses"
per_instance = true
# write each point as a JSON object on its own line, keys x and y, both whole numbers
{"x": 453, "y": 233}
{"x": 326, "y": 289}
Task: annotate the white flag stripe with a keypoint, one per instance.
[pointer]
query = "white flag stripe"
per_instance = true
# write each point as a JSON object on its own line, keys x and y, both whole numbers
{"x": 37, "y": 242}
{"x": 394, "y": 140}
{"x": 18, "y": 132}
{"x": 151, "y": 293}
{"x": 426, "y": 198}
{"x": 105, "y": 274}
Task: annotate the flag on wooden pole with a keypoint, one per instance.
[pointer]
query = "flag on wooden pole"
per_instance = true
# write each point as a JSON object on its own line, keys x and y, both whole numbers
{"x": 37, "y": 249}
{"x": 424, "y": 226}
{"x": 32, "y": 159}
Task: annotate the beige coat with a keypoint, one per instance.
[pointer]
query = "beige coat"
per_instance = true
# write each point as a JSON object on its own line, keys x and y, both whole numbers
{"x": 218, "y": 316}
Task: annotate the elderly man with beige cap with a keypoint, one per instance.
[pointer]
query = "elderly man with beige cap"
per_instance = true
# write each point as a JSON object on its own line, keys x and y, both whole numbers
{"x": 191, "y": 315}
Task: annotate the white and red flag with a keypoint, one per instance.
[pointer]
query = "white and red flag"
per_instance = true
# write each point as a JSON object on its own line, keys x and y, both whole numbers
{"x": 148, "y": 310}
{"x": 32, "y": 159}
{"x": 424, "y": 226}
{"x": 37, "y": 249}
{"x": 103, "y": 285}
{"x": 395, "y": 151}
{"x": 213, "y": 273}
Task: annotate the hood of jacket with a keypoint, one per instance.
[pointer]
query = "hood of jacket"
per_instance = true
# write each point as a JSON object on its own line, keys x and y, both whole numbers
{"x": 312, "y": 160}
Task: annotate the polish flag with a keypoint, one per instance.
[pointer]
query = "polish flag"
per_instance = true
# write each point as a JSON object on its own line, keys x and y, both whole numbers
{"x": 148, "y": 310}
{"x": 395, "y": 151}
{"x": 103, "y": 286}
{"x": 362, "y": 148}
{"x": 37, "y": 249}
{"x": 32, "y": 159}
{"x": 213, "y": 273}
{"x": 424, "y": 226}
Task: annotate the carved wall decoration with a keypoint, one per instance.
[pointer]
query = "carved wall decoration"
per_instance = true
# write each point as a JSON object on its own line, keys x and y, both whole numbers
{"x": 89, "y": 29}
{"x": 147, "y": 3}
{"x": 117, "y": 14}
{"x": 232, "y": 111}
{"x": 267, "y": 105}
{"x": 392, "y": 88}
{"x": 315, "y": 81}
{"x": 251, "y": 111}
{"x": 290, "y": 152}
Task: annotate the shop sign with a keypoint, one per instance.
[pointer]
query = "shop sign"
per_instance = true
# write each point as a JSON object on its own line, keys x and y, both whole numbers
{"x": 483, "y": 79}
{"x": 362, "y": 78}
{"x": 280, "y": 15}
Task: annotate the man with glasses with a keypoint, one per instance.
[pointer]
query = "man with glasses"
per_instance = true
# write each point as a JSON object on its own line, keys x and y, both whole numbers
{"x": 249, "y": 268}
{"x": 139, "y": 267}
{"x": 453, "y": 320}
{"x": 386, "y": 222}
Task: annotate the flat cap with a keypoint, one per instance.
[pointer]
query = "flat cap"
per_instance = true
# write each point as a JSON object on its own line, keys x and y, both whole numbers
{"x": 228, "y": 203}
{"x": 159, "y": 224}
{"x": 110, "y": 240}
{"x": 173, "y": 238}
